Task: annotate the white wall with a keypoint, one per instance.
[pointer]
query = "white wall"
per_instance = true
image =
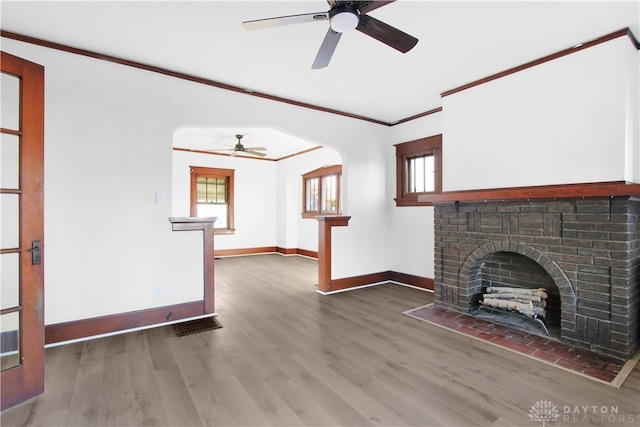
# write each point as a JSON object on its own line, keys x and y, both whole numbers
{"x": 108, "y": 245}
{"x": 365, "y": 198}
{"x": 563, "y": 121}
{"x": 108, "y": 149}
{"x": 632, "y": 117}
{"x": 409, "y": 227}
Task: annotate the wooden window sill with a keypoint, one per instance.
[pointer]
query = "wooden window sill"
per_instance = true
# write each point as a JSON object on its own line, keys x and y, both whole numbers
{"x": 315, "y": 215}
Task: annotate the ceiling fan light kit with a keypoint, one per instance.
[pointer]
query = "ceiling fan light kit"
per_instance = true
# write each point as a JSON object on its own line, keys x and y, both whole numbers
{"x": 344, "y": 16}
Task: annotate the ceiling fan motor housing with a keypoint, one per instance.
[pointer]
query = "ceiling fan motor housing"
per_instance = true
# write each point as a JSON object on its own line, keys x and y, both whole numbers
{"x": 239, "y": 146}
{"x": 344, "y": 18}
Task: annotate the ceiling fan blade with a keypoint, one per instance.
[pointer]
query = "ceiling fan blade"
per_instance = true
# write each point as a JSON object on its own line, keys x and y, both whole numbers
{"x": 386, "y": 34}
{"x": 255, "y": 153}
{"x": 327, "y": 48}
{"x": 259, "y": 24}
{"x": 368, "y": 6}
{"x": 257, "y": 148}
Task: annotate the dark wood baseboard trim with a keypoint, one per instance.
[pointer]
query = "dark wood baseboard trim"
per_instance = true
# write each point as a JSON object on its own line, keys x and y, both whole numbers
{"x": 78, "y": 329}
{"x": 244, "y": 251}
{"x": 265, "y": 250}
{"x": 386, "y": 276}
{"x": 410, "y": 279}
{"x": 286, "y": 251}
{"x": 357, "y": 281}
{"x": 297, "y": 251}
{"x": 307, "y": 253}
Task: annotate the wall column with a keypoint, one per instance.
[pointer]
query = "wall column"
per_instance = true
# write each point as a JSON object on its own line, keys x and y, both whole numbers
{"x": 325, "y": 223}
{"x": 206, "y": 225}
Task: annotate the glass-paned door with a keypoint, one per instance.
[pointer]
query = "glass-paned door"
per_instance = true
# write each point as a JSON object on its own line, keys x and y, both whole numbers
{"x": 21, "y": 230}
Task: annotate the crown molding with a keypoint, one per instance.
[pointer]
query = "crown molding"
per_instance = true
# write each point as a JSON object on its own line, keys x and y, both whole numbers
{"x": 208, "y": 82}
{"x": 178, "y": 75}
{"x": 576, "y": 48}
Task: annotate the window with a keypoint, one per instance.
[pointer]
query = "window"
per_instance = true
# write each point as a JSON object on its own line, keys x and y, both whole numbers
{"x": 418, "y": 170}
{"x": 420, "y": 174}
{"x": 321, "y": 192}
{"x": 212, "y": 195}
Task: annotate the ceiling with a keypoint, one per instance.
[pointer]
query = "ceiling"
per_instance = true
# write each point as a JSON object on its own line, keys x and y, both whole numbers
{"x": 459, "y": 42}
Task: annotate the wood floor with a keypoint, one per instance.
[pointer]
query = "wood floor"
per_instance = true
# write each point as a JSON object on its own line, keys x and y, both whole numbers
{"x": 287, "y": 355}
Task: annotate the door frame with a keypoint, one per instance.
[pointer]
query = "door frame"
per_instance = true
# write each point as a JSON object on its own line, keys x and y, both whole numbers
{"x": 27, "y": 379}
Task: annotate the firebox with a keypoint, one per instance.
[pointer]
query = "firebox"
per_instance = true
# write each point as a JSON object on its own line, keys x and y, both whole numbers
{"x": 512, "y": 285}
{"x": 584, "y": 251}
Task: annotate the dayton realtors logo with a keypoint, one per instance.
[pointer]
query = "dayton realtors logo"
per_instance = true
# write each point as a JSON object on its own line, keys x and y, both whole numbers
{"x": 544, "y": 412}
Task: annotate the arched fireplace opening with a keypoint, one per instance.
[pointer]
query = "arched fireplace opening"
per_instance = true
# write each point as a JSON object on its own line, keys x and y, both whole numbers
{"x": 504, "y": 269}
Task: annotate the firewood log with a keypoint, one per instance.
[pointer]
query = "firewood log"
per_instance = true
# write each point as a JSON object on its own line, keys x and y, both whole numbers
{"x": 507, "y": 304}
{"x": 514, "y": 296}
{"x": 526, "y": 309}
{"x": 541, "y": 292}
{"x": 535, "y": 303}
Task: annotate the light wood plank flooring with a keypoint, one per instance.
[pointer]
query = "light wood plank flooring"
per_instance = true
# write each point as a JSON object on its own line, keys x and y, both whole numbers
{"x": 287, "y": 355}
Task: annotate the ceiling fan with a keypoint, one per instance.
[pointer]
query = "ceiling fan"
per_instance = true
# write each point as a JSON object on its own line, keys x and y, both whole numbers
{"x": 239, "y": 148}
{"x": 343, "y": 16}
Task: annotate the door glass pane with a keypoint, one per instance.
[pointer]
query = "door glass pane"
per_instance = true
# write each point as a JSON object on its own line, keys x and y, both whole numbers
{"x": 10, "y": 276}
{"x": 10, "y": 118}
{"x": 10, "y": 340}
{"x": 9, "y": 208}
{"x": 9, "y": 161}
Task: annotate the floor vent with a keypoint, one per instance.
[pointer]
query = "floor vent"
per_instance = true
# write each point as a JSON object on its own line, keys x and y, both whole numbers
{"x": 195, "y": 326}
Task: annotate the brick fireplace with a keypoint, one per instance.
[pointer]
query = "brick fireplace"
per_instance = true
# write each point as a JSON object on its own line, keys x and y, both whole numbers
{"x": 580, "y": 242}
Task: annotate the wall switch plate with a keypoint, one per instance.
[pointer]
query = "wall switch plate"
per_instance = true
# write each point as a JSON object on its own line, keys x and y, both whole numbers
{"x": 157, "y": 291}
{"x": 159, "y": 197}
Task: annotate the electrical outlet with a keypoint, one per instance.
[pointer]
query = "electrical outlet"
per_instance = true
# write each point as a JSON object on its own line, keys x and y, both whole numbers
{"x": 157, "y": 291}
